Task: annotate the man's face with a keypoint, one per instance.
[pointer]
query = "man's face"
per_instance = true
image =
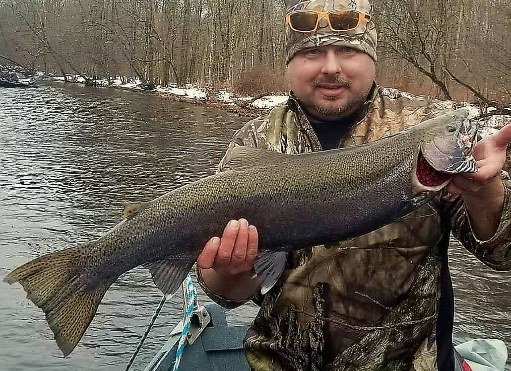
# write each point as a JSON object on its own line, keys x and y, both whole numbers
{"x": 331, "y": 82}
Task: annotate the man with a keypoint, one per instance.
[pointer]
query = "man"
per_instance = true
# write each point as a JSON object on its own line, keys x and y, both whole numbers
{"x": 379, "y": 301}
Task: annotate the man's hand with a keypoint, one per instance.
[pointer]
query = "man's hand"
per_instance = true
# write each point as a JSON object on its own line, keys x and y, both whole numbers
{"x": 226, "y": 264}
{"x": 490, "y": 154}
{"x": 483, "y": 192}
{"x": 234, "y": 253}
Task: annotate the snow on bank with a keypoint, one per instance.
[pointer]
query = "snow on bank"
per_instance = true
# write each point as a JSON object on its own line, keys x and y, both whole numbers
{"x": 492, "y": 124}
{"x": 270, "y": 101}
{"x": 201, "y": 94}
{"x": 188, "y": 91}
{"x": 194, "y": 92}
{"x": 498, "y": 121}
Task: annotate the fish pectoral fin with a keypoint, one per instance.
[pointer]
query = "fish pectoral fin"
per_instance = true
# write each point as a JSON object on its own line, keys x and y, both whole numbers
{"x": 169, "y": 274}
{"x": 132, "y": 209}
{"x": 243, "y": 158}
{"x": 268, "y": 266}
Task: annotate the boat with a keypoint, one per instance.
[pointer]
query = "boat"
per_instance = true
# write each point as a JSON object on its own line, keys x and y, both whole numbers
{"x": 22, "y": 83}
{"x": 204, "y": 339}
{"x": 210, "y": 341}
{"x": 15, "y": 76}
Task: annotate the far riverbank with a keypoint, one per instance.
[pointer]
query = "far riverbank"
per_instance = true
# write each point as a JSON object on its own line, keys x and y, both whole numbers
{"x": 223, "y": 99}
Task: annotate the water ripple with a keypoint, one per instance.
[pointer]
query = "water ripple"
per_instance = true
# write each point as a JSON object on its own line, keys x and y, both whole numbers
{"x": 69, "y": 157}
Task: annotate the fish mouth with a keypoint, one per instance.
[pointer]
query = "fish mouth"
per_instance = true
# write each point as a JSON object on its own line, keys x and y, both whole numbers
{"x": 428, "y": 177}
{"x": 435, "y": 168}
{"x": 446, "y": 154}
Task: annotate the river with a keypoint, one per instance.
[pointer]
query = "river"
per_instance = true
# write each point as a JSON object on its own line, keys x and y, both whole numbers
{"x": 71, "y": 155}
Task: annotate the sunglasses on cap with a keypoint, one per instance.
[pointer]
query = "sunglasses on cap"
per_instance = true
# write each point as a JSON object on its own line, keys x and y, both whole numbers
{"x": 342, "y": 20}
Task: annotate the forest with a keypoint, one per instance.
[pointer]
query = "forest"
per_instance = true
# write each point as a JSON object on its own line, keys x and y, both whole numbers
{"x": 454, "y": 49}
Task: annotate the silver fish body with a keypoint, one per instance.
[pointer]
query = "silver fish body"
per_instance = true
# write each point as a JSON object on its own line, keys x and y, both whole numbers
{"x": 295, "y": 201}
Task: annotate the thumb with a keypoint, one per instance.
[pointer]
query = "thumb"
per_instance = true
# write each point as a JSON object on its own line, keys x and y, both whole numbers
{"x": 503, "y": 137}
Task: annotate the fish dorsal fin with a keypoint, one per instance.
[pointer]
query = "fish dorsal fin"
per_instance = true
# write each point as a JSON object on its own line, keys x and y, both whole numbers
{"x": 243, "y": 158}
{"x": 169, "y": 274}
{"x": 132, "y": 209}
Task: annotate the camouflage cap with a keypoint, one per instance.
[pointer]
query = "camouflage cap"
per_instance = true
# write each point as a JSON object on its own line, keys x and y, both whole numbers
{"x": 363, "y": 38}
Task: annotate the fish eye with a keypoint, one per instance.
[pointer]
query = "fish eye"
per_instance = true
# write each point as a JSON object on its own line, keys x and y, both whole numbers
{"x": 451, "y": 129}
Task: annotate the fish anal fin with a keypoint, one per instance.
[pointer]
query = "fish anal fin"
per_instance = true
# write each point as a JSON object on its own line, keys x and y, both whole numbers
{"x": 132, "y": 209}
{"x": 243, "y": 158}
{"x": 169, "y": 274}
{"x": 268, "y": 266}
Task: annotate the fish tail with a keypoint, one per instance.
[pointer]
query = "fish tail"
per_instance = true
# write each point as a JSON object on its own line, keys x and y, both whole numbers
{"x": 53, "y": 283}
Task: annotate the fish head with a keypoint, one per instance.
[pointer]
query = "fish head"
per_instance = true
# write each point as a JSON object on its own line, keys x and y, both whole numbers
{"x": 446, "y": 150}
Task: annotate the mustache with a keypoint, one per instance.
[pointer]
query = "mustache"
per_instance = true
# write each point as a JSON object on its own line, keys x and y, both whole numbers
{"x": 332, "y": 80}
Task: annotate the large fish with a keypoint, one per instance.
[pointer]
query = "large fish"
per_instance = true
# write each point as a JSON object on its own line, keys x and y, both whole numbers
{"x": 295, "y": 201}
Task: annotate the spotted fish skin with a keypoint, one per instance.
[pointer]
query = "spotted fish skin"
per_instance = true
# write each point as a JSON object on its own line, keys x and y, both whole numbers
{"x": 295, "y": 201}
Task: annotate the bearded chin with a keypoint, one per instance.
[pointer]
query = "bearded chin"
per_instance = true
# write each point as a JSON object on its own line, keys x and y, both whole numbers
{"x": 338, "y": 111}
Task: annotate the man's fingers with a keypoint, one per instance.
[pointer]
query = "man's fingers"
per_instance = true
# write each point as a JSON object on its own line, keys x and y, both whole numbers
{"x": 452, "y": 189}
{"x": 227, "y": 241}
{"x": 252, "y": 246}
{"x": 234, "y": 252}
{"x": 207, "y": 257}
{"x": 503, "y": 137}
{"x": 488, "y": 168}
{"x": 468, "y": 185}
{"x": 240, "y": 246}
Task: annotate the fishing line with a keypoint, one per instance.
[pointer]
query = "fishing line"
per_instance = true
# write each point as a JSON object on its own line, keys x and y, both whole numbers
{"x": 190, "y": 304}
{"x": 146, "y": 333}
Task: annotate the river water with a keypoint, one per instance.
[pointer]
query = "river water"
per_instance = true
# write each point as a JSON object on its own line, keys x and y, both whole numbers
{"x": 71, "y": 155}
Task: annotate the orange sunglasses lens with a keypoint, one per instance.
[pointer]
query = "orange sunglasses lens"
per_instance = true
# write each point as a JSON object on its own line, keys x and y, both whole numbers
{"x": 338, "y": 21}
{"x": 303, "y": 21}
{"x": 343, "y": 21}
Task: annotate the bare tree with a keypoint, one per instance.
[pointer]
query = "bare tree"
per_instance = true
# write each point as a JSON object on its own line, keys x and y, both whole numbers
{"x": 456, "y": 49}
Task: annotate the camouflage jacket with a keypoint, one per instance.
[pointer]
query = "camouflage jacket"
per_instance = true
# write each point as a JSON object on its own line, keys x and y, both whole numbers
{"x": 373, "y": 302}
